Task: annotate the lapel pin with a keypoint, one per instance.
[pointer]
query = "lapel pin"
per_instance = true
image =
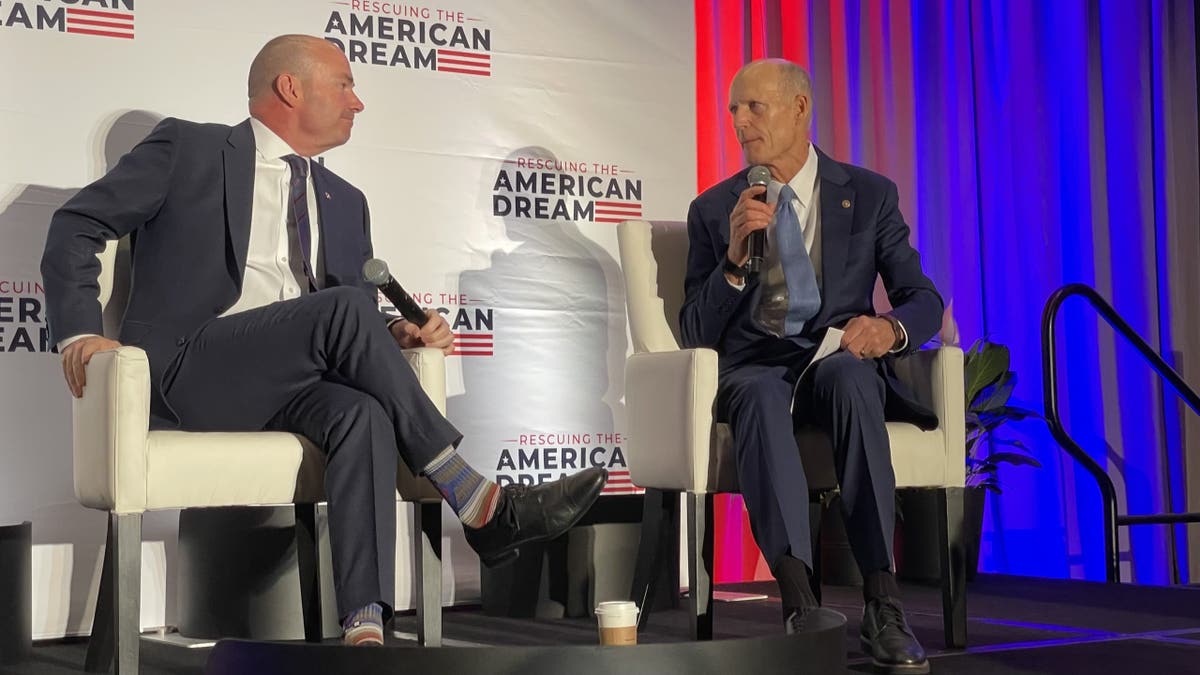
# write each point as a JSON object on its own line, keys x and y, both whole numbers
{"x": 845, "y": 202}
{"x": 327, "y": 197}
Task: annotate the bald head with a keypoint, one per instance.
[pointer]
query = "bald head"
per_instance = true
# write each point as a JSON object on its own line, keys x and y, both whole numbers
{"x": 791, "y": 79}
{"x": 287, "y": 54}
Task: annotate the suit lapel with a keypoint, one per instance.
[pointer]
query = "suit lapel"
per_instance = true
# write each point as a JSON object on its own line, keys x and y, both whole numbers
{"x": 239, "y": 192}
{"x": 837, "y": 217}
{"x": 739, "y": 186}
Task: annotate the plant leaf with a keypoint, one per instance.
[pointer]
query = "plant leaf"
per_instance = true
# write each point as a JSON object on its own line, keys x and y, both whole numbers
{"x": 997, "y": 396}
{"x": 1020, "y": 412}
{"x": 1012, "y": 442}
{"x": 1014, "y": 458}
{"x": 984, "y": 368}
{"x": 1015, "y": 412}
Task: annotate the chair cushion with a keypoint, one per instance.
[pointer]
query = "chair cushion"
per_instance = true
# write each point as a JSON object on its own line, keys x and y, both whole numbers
{"x": 918, "y": 457}
{"x": 186, "y": 469}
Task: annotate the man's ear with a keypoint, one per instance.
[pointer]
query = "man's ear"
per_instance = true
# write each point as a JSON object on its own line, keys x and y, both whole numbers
{"x": 801, "y": 104}
{"x": 287, "y": 87}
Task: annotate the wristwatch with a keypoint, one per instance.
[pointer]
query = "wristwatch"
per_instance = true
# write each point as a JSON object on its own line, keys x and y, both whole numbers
{"x": 897, "y": 331}
{"x": 738, "y": 271}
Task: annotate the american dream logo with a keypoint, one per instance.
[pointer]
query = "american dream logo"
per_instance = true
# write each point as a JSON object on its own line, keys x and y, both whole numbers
{"x": 538, "y": 186}
{"x": 472, "y": 322}
{"x": 415, "y": 37}
{"x": 98, "y": 18}
{"x": 537, "y": 457}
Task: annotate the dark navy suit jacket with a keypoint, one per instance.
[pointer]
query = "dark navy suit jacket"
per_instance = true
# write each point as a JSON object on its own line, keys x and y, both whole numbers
{"x": 184, "y": 194}
{"x": 863, "y": 236}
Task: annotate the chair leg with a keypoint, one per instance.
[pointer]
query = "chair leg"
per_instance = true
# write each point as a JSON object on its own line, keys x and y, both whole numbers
{"x": 116, "y": 628}
{"x": 308, "y": 564}
{"x": 427, "y": 530}
{"x": 100, "y": 644}
{"x": 700, "y": 564}
{"x": 953, "y": 564}
{"x": 657, "y": 565}
{"x": 816, "y": 513}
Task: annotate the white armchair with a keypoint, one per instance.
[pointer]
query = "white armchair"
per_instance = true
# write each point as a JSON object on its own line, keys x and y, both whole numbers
{"x": 122, "y": 467}
{"x": 675, "y": 447}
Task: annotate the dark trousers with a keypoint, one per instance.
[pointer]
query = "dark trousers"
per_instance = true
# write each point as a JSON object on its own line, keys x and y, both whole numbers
{"x": 844, "y": 397}
{"x": 326, "y": 367}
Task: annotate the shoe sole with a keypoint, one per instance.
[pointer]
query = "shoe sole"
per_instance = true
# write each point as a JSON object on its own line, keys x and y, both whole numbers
{"x": 902, "y": 668}
{"x": 506, "y": 556}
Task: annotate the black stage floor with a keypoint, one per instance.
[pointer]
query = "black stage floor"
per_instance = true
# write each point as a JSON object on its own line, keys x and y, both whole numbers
{"x": 1016, "y": 625}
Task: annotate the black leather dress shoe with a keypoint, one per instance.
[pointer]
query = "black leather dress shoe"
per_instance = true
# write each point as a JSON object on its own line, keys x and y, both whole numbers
{"x": 889, "y": 641}
{"x": 528, "y": 514}
{"x": 812, "y": 619}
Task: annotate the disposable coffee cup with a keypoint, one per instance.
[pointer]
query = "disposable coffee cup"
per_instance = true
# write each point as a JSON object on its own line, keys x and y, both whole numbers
{"x": 618, "y": 622}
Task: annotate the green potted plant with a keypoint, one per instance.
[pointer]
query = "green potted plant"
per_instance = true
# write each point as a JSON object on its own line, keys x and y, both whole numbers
{"x": 988, "y": 384}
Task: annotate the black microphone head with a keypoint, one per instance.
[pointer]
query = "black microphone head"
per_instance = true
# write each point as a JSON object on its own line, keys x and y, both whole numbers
{"x": 375, "y": 271}
{"x": 759, "y": 175}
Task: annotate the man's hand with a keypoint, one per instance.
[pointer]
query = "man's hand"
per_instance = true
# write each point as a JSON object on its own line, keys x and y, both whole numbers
{"x": 76, "y": 357}
{"x": 435, "y": 333}
{"x": 868, "y": 337}
{"x": 748, "y": 215}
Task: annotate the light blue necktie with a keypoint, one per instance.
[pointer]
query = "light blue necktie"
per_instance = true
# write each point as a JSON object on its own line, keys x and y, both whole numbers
{"x": 804, "y": 298}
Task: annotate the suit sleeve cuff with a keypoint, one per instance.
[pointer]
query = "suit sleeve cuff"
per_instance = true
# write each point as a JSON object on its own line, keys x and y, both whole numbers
{"x": 66, "y": 342}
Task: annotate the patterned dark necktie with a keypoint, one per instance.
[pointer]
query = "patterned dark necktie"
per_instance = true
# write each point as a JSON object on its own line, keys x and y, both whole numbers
{"x": 299, "y": 234}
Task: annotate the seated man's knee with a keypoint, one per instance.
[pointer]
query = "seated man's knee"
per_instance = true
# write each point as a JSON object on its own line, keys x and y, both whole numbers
{"x": 351, "y": 299}
{"x": 841, "y": 375}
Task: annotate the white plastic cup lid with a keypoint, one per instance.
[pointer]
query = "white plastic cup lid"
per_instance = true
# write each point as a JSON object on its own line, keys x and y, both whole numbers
{"x": 617, "y": 613}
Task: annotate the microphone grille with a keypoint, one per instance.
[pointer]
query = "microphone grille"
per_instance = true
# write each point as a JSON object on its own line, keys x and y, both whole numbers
{"x": 759, "y": 175}
{"x": 375, "y": 271}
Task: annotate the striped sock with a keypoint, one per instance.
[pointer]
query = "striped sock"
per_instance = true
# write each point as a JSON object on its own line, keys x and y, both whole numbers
{"x": 363, "y": 627}
{"x": 470, "y": 495}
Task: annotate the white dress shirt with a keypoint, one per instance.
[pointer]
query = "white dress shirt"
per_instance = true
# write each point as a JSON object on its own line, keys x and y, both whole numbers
{"x": 268, "y": 277}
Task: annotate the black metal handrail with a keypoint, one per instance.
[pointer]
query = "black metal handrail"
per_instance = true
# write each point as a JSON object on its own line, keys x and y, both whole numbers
{"x": 1108, "y": 492}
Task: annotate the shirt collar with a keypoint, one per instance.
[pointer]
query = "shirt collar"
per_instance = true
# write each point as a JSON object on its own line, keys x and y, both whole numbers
{"x": 268, "y": 143}
{"x": 803, "y": 183}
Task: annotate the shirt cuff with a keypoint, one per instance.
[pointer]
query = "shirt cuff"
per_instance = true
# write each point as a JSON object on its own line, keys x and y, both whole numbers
{"x": 903, "y": 338}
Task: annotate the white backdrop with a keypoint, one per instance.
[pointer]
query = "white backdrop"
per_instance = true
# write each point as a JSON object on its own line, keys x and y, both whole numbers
{"x": 500, "y": 143}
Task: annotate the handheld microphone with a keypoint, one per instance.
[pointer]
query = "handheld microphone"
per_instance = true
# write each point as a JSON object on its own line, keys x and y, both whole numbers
{"x": 756, "y": 243}
{"x": 375, "y": 272}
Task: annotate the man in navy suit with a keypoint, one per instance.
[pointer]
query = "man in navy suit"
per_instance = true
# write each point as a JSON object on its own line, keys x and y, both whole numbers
{"x": 248, "y": 298}
{"x": 830, "y": 229}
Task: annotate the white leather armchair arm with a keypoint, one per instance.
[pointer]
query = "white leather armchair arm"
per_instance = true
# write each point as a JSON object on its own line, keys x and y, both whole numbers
{"x": 110, "y": 424}
{"x": 935, "y": 377}
{"x": 430, "y": 366}
{"x": 669, "y": 403}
